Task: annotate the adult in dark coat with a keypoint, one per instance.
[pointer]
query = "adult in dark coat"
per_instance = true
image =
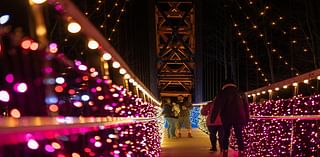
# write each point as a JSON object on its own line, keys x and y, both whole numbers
{"x": 233, "y": 106}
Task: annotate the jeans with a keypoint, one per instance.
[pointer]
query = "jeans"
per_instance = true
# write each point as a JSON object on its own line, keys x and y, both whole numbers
{"x": 172, "y": 123}
{"x": 213, "y": 129}
{"x": 238, "y": 132}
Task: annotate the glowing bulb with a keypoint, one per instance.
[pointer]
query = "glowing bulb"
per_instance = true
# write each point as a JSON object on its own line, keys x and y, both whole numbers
{"x": 60, "y": 80}
{"x": 26, "y": 44}
{"x": 295, "y": 84}
{"x": 269, "y": 90}
{"x": 285, "y": 86}
{"x": 126, "y": 76}
{"x": 116, "y": 64}
{"x": 4, "y": 96}
{"x": 74, "y": 27}
{"x": 131, "y": 80}
{"x": 38, "y": 1}
{"x": 318, "y": 78}
{"x": 306, "y": 81}
{"x": 122, "y": 71}
{"x": 34, "y": 46}
{"x": 277, "y": 89}
{"x": 263, "y": 92}
{"x": 249, "y": 96}
{"x": 106, "y": 56}
{"x": 92, "y": 44}
{"x": 85, "y": 97}
{"x": 15, "y": 113}
{"x": 33, "y": 144}
{"x": 258, "y": 93}
{"x": 20, "y": 87}
{"x": 4, "y": 19}
{"x": 82, "y": 67}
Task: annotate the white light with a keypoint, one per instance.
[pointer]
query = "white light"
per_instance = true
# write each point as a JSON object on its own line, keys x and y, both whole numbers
{"x": 4, "y": 96}
{"x": 249, "y": 96}
{"x": 263, "y": 92}
{"x": 295, "y": 84}
{"x": 38, "y": 1}
{"x": 135, "y": 83}
{"x": 116, "y": 64}
{"x": 258, "y": 93}
{"x": 74, "y": 27}
{"x": 82, "y": 67}
{"x": 85, "y": 97}
{"x": 131, "y": 80}
{"x": 33, "y": 144}
{"x": 269, "y": 90}
{"x": 4, "y": 19}
{"x": 318, "y": 77}
{"x": 285, "y": 86}
{"x": 306, "y": 81}
{"x": 92, "y": 44}
{"x": 122, "y": 71}
{"x": 126, "y": 76}
{"x": 106, "y": 56}
{"x": 59, "y": 80}
{"x": 277, "y": 89}
{"x": 253, "y": 95}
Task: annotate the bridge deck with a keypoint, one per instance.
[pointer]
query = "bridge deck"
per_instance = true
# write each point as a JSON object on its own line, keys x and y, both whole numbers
{"x": 190, "y": 147}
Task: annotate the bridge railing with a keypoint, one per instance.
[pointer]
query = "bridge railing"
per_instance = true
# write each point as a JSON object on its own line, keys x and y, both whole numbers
{"x": 58, "y": 104}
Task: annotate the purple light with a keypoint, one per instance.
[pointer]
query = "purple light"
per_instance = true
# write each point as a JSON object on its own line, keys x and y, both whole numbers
{"x": 77, "y": 63}
{"x": 53, "y": 46}
{"x": 9, "y": 78}
{"x": 49, "y": 148}
{"x": 4, "y": 96}
{"x": 33, "y": 144}
{"x": 20, "y": 87}
{"x": 47, "y": 70}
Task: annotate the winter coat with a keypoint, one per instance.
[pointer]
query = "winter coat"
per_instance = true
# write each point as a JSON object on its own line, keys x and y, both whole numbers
{"x": 207, "y": 111}
{"x": 233, "y": 106}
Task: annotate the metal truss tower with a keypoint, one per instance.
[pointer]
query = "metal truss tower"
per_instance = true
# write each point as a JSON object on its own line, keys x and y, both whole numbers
{"x": 175, "y": 29}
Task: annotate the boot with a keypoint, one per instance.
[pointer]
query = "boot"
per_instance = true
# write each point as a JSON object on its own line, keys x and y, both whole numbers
{"x": 189, "y": 135}
{"x": 213, "y": 149}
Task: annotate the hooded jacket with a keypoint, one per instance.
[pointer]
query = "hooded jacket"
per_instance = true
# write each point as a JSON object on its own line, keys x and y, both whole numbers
{"x": 232, "y": 104}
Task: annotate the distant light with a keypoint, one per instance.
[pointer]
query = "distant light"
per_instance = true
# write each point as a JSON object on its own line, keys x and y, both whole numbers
{"x": 295, "y": 84}
{"x": 85, "y": 97}
{"x": 20, "y": 87}
{"x": 116, "y": 64}
{"x": 269, "y": 90}
{"x": 77, "y": 104}
{"x": 15, "y": 113}
{"x": 49, "y": 148}
{"x": 56, "y": 145}
{"x": 277, "y": 89}
{"x": 26, "y": 44}
{"x": 249, "y": 96}
{"x": 60, "y": 80}
{"x": 97, "y": 144}
{"x": 75, "y": 155}
{"x": 92, "y": 44}
{"x": 51, "y": 99}
{"x": 131, "y": 80}
{"x": 285, "y": 86}
{"x": 318, "y": 78}
{"x": 106, "y": 56}
{"x": 74, "y": 27}
{"x": 135, "y": 83}
{"x": 9, "y": 78}
{"x": 122, "y": 71}
{"x": 53, "y": 108}
{"x": 38, "y": 1}
{"x": 4, "y": 96}
{"x": 53, "y": 47}
{"x": 82, "y": 67}
{"x": 258, "y": 93}
{"x": 306, "y": 81}
{"x": 33, "y": 144}
{"x": 127, "y": 76}
{"x": 263, "y": 92}
{"x": 4, "y": 19}
{"x": 34, "y": 46}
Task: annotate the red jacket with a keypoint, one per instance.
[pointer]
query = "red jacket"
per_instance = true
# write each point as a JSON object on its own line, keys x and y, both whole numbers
{"x": 207, "y": 111}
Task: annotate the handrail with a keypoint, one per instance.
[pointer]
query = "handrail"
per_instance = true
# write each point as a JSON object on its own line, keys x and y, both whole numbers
{"x": 92, "y": 32}
{"x": 297, "y": 117}
{"x": 13, "y": 131}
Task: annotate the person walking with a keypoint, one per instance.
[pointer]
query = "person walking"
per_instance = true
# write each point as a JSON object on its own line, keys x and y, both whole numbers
{"x": 233, "y": 106}
{"x": 184, "y": 116}
{"x": 169, "y": 115}
{"x": 214, "y": 127}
